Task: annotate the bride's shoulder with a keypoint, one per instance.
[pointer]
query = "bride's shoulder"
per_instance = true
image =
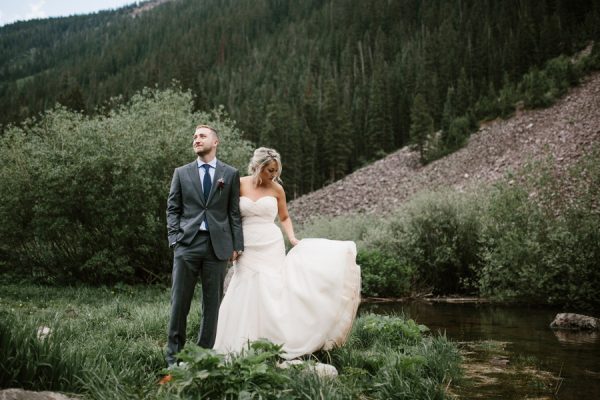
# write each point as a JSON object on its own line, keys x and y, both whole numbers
{"x": 278, "y": 189}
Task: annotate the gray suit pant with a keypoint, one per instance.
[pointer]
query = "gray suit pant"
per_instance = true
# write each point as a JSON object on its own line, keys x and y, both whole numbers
{"x": 197, "y": 260}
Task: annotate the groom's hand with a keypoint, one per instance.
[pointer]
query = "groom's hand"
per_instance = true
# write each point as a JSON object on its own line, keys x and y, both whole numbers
{"x": 235, "y": 255}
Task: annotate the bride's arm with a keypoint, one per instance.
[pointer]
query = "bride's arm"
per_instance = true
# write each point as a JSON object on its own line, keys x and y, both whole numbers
{"x": 284, "y": 217}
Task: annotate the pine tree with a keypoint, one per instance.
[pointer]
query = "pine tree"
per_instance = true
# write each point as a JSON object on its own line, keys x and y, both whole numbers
{"x": 421, "y": 127}
{"x": 449, "y": 109}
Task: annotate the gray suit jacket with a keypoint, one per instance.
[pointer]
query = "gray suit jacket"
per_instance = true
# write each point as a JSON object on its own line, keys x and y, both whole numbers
{"x": 186, "y": 208}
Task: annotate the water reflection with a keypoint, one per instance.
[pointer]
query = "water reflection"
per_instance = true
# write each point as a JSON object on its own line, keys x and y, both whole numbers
{"x": 575, "y": 356}
{"x": 575, "y": 337}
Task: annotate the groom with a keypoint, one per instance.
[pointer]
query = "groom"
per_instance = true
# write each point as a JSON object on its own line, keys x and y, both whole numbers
{"x": 205, "y": 230}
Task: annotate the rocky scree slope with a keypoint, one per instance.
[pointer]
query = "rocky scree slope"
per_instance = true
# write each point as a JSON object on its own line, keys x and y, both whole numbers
{"x": 564, "y": 131}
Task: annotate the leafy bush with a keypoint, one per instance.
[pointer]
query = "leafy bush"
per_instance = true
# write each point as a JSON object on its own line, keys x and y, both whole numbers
{"x": 458, "y": 133}
{"x": 537, "y": 89}
{"x": 436, "y": 235}
{"x": 513, "y": 233}
{"x": 563, "y": 73}
{"x": 344, "y": 227}
{"x": 544, "y": 248}
{"x": 84, "y": 198}
{"x": 384, "y": 275}
{"x": 210, "y": 375}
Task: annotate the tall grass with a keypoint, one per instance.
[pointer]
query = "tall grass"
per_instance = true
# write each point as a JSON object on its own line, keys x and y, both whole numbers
{"x": 104, "y": 343}
{"x": 385, "y": 358}
{"x": 107, "y": 343}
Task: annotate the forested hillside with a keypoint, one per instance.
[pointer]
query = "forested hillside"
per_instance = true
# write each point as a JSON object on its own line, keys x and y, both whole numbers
{"x": 330, "y": 83}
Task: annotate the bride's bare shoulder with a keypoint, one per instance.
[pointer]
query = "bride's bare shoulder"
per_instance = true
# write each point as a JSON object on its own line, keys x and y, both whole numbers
{"x": 279, "y": 190}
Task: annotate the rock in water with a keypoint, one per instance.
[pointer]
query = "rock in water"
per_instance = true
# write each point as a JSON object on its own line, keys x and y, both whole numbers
{"x": 575, "y": 322}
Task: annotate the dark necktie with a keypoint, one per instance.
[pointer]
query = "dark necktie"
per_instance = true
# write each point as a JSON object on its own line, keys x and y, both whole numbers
{"x": 206, "y": 182}
{"x": 206, "y": 185}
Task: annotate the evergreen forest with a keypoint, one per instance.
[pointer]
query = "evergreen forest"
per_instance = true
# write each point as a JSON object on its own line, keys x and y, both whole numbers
{"x": 331, "y": 84}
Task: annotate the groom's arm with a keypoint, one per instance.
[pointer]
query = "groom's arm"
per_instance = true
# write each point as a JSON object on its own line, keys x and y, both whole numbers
{"x": 174, "y": 209}
{"x": 235, "y": 218}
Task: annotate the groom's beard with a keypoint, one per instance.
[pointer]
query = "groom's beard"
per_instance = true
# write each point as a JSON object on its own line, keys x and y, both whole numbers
{"x": 203, "y": 152}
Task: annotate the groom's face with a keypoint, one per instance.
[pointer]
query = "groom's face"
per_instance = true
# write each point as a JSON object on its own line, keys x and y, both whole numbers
{"x": 205, "y": 141}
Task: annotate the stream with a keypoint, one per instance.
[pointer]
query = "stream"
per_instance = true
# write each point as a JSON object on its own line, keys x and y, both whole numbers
{"x": 522, "y": 356}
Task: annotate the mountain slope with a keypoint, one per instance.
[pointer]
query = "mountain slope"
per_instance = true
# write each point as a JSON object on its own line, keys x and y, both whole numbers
{"x": 340, "y": 73}
{"x": 565, "y": 131}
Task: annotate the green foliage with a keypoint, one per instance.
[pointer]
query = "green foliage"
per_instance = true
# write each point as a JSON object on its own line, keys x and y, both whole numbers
{"x": 533, "y": 238}
{"x": 436, "y": 235}
{"x": 84, "y": 198}
{"x": 421, "y": 128}
{"x": 209, "y": 375}
{"x": 541, "y": 250}
{"x": 458, "y": 133}
{"x": 102, "y": 343}
{"x": 107, "y": 344}
{"x": 345, "y": 227}
{"x": 341, "y": 73}
{"x": 536, "y": 89}
{"x": 390, "y": 357}
{"x": 387, "y": 330}
{"x": 33, "y": 363}
{"x": 507, "y": 98}
{"x": 514, "y": 252}
{"x": 385, "y": 275}
{"x": 541, "y": 88}
{"x": 591, "y": 62}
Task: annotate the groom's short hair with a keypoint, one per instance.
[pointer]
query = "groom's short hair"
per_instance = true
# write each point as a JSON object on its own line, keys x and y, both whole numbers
{"x": 208, "y": 127}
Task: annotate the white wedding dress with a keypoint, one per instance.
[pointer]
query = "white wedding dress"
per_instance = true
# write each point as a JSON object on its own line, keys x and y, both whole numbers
{"x": 305, "y": 300}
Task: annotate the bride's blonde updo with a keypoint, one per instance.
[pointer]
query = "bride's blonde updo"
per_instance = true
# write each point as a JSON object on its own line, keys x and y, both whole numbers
{"x": 261, "y": 157}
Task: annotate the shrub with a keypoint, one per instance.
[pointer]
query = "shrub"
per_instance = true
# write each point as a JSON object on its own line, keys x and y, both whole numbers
{"x": 436, "y": 235}
{"x": 458, "y": 133}
{"x": 344, "y": 227}
{"x": 210, "y": 375}
{"x": 384, "y": 275}
{"x": 84, "y": 198}
{"x": 536, "y": 89}
{"x": 544, "y": 248}
{"x": 563, "y": 74}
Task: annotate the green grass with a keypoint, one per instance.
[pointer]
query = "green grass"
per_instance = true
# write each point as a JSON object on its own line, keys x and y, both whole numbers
{"x": 105, "y": 343}
{"x": 108, "y": 343}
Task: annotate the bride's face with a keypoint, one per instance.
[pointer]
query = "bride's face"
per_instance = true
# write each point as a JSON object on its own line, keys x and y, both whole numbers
{"x": 269, "y": 171}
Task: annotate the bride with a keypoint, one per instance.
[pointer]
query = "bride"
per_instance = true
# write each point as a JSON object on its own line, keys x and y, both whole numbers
{"x": 305, "y": 300}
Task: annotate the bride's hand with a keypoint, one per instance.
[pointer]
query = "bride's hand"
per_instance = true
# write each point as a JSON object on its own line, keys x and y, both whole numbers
{"x": 294, "y": 241}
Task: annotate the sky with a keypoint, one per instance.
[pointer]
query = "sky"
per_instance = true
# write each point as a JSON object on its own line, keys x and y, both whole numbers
{"x": 14, "y": 10}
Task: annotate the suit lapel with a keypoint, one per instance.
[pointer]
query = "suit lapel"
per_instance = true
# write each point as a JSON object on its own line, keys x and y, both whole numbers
{"x": 219, "y": 172}
{"x": 195, "y": 178}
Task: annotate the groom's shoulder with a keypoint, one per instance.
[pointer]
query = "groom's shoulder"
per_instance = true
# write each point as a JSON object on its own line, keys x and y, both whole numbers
{"x": 188, "y": 165}
{"x": 228, "y": 167}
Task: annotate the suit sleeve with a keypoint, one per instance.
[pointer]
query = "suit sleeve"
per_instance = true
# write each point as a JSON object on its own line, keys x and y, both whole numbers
{"x": 235, "y": 218}
{"x": 174, "y": 208}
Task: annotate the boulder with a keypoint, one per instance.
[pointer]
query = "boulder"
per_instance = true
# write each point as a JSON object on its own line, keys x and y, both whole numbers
{"x": 20, "y": 394}
{"x": 572, "y": 321}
